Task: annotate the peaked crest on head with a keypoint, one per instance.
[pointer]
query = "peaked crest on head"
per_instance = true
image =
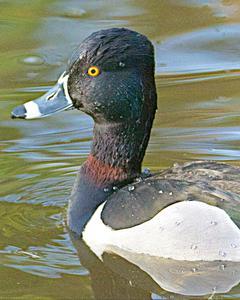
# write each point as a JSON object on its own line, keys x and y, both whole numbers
{"x": 110, "y": 46}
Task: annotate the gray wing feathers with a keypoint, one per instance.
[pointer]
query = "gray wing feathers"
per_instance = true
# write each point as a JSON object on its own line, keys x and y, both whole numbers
{"x": 208, "y": 182}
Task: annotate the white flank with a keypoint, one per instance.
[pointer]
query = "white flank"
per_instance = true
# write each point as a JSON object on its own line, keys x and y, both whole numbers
{"x": 32, "y": 110}
{"x": 188, "y": 230}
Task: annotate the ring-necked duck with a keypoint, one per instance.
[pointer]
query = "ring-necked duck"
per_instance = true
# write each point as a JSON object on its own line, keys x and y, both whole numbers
{"x": 189, "y": 212}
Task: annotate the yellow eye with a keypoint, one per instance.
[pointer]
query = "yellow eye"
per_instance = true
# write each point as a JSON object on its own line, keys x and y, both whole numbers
{"x": 93, "y": 71}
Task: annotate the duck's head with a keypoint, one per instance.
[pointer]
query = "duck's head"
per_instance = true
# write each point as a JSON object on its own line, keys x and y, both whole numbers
{"x": 110, "y": 77}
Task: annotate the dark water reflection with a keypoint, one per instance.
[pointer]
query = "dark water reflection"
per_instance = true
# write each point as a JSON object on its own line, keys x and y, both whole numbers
{"x": 139, "y": 276}
{"x": 197, "y": 75}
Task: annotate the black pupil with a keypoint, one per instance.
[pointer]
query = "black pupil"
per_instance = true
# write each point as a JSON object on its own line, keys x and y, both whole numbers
{"x": 93, "y": 71}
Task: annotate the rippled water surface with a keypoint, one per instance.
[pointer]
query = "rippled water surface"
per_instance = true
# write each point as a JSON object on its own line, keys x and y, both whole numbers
{"x": 197, "y": 47}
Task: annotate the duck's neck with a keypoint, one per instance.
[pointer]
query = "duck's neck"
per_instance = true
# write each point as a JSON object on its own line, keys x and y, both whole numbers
{"x": 117, "y": 153}
{"x": 115, "y": 159}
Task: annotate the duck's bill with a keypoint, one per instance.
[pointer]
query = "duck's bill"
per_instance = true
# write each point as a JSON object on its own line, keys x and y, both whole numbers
{"x": 55, "y": 100}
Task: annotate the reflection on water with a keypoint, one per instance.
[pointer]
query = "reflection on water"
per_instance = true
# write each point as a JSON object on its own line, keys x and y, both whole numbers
{"x": 197, "y": 75}
{"x": 145, "y": 274}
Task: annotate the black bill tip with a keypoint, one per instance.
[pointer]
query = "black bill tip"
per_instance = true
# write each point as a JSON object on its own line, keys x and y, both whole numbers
{"x": 19, "y": 112}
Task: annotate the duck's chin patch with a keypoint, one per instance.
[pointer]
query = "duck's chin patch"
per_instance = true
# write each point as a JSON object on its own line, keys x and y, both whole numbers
{"x": 55, "y": 100}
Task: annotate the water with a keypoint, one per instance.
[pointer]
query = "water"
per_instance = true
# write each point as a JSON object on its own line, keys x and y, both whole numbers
{"x": 197, "y": 74}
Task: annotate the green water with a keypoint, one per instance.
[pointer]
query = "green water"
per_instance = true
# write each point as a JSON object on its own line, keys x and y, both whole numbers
{"x": 197, "y": 74}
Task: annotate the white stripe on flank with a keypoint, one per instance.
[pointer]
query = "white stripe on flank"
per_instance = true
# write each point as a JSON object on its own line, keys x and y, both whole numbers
{"x": 32, "y": 110}
{"x": 188, "y": 230}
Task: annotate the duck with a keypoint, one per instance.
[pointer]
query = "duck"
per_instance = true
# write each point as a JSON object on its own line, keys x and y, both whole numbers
{"x": 188, "y": 212}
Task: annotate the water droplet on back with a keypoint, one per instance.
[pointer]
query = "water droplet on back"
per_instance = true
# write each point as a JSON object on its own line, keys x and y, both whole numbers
{"x": 214, "y": 223}
{"x": 178, "y": 223}
{"x": 222, "y": 253}
{"x": 131, "y": 188}
{"x": 193, "y": 247}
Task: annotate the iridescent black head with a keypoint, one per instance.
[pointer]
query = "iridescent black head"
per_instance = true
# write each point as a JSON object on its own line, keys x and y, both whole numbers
{"x": 112, "y": 74}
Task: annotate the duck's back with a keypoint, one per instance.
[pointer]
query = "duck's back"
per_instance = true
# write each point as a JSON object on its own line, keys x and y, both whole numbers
{"x": 207, "y": 182}
{"x": 219, "y": 175}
